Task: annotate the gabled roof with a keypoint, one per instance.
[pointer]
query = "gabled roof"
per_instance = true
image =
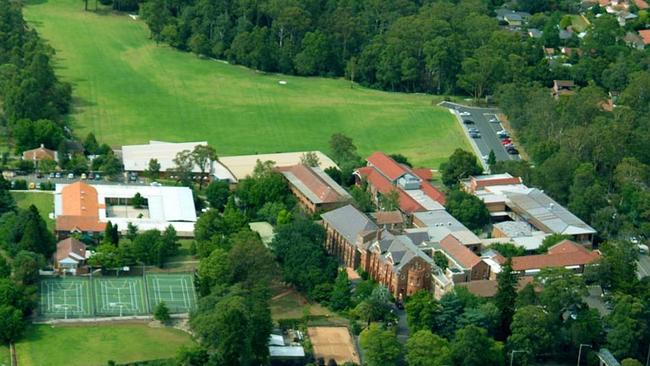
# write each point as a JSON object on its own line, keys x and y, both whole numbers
{"x": 317, "y": 186}
{"x": 645, "y": 34}
{"x": 349, "y": 222}
{"x": 388, "y": 167}
{"x": 70, "y": 248}
{"x": 641, "y": 4}
{"x": 383, "y": 185}
{"x": 563, "y": 254}
{"x": 388, "y": 217}
{"x": 460, "y": 253}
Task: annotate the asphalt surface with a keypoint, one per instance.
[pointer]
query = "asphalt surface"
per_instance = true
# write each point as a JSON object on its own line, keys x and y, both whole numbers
{"x": 64, "y": 180}
{"x": 488, "y": 130}
{"x": 643, "y": 268}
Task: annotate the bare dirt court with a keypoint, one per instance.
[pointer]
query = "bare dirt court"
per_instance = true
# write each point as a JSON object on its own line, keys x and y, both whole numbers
{"x": 333, "y": 342}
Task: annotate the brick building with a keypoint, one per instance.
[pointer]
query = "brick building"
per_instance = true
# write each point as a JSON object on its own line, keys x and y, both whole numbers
{"x": 314, "y": 189}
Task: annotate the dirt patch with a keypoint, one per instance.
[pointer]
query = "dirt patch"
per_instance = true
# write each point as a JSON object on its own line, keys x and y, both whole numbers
{"x": 333, "y": 343}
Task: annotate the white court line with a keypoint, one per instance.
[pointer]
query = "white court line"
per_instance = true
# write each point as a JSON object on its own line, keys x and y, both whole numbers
{"x": 186, "y": 297}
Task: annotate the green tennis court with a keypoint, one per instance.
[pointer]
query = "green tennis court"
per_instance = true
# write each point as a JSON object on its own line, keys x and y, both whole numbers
{"x": 177, "y": 291}
{"x": 120, "y": 296}
{"x": 65, "y": 298}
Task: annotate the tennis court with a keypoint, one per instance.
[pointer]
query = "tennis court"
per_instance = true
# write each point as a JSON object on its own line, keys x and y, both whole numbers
{"x": 176, "y": 290}
{"x": 65, "y": 298}
{"x": 120, "y": 296}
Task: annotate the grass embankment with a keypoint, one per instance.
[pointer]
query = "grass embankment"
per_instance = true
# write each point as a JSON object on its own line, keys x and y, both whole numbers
{"x": 44, "y": 202}
{"x": 128, "y": 89}
{"x": 95, "y": 345}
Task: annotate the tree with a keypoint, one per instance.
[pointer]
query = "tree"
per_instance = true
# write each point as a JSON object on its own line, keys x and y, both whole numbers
{"x": 631, "y": 362}
{"x": 183, "y": 165}
{"x": 424, "y": 348}
{"x": 472, "y": 347}
{"x": 461, "y": 164}
{"x": 380, "y": 346}
{"x": 551, "y": 240}
{"x": 505, "y": 298}
{"x": 153, "y": 169}
{"x": 376, "y": 307}
{"x": 441, "y": 260}
{"x": 108, "y": 234}
{"x": 362, "y": 199}
{"x": 587, "y": 194}
{"x": 341, "y": 292}
{"x": 213, "y": 270}
{"x": 217, "y": 194}
{"x": 25, "y": 267}
{"x": 203, "y": 156}
{"x": 342, "y": 148}
{"x": 35, "y": 236}
{"x": 310, "y": 158}
{"x": 492, "y": 159}
{"x": 468, "y": 209}
{"x": 531, "y": 331}
{"x": 90, "y": 144}
{"x": 629, "y": 323}
{"x": 508, "y": 250}
{"x": 138, "y": 201}
{"x": 389, "y": 201}
{"x": 11, "y": 323}
{"x": 422, "y": 310}
{"x": 7, "y": 202}
{"x": 563, "y": 291}
{"x": 161, "y": 312}
{"x": 401, "y": 159}
{"x": 156, "y": 15}
{"x": 5, "y": 269}
{"x": 131, "y": 231}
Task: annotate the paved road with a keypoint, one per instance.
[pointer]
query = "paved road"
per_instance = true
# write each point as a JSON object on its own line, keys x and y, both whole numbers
{"x": 489, "y": 139}
{"x": 64, "y": 180}
{"x": 643, "y": 269}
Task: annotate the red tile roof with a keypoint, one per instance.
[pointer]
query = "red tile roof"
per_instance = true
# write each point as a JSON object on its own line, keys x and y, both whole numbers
{"x": 641, "y": 4}
{"x": 80, "y": 209}
{"x": 433, "y": 192}
{"x": 389, "y": 217}
{"x": 645, "y": 34}
{"x": 319, "y": 187}
{"x": 459, "y": 252}
{"x": 68, "y": 246}
{"x": 40, "y": 153}
{"x": 406, "y": 203}
{"x": 486, "y": 182}
{"x": 386, "y": 165}
{"x": 423, "y": 173}
{"x": 563, "y": 254}
{"x": 79, "y": 223}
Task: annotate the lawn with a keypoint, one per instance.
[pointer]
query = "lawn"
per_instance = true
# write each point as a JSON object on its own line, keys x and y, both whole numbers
{"x": 44, "y": 202}
{"x": 95, "y": 345}
{"x": 5, "y": 359}
{"x": 579, "y": 23}
{"x": 128, "y": 89}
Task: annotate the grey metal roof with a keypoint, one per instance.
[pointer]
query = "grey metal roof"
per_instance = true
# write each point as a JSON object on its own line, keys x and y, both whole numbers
{"x": 607, "y": 358}
{"x": 349, "y": 222}
{"x": 536, "y": 205}
{"x": 440, "y": 218}
{"x": 514, "y": 229}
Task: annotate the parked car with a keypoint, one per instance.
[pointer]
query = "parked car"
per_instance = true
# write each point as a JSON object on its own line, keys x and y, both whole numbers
{"x": 57, "y": 175}
{"x": 512, "y": 151}
{"x": 503, "y": 133}
{"x": 506, "y": 142}
{"x": 473, "y": 129}
{"x": 91, "y": 175}
{"x": 465, "y": 114}
{"x": 39, "y": 175}
{"x": 97, "y": 176}
{"x": 83, "y": 176}
{"x": 51, "y": 175}
{"x": 70, "y": 175}
{"x": 475, "y": 135}
{"x": 468, "y": 122}
{"x": 493, "y": 119}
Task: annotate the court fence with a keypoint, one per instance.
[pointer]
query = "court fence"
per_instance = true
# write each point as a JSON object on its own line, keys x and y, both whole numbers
{"x": 88, "y": 297}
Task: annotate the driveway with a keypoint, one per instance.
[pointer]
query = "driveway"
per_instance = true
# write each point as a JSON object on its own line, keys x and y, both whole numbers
{"x": 489, "y": 141}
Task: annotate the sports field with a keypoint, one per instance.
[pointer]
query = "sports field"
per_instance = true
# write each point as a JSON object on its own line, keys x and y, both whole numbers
{"x": 127, "y": 89}
{"x": 94, "y": 345}
{"x": 79, "y": 297}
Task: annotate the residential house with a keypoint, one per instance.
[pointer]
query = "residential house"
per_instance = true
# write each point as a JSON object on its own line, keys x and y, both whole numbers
{"x": 514, "y": 19}
{"x": 314, "y": 189}
{"x": 71, "y": 254}
{"x": 508, "y": 199}
{"x": 384, "y": 175}
{"x": 40, "y": 153}
{"x": 645, "y": 35}
{"x": 562, "y": 87}
{"x": 634, "y": 40}
{"x": 535, "y": 33}
{"x": 83, "y": 208}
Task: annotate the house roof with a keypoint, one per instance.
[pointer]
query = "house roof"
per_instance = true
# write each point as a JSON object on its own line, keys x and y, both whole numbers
{"x": 388, "y": 167}
{"x": 136, "y": 157}
{"x": 349, "y": 222}
{"x": 389, "y": 217}
{"x": 80, "y": 223}
{"x": 407, "y": 203}
{"x": 70, "y": 248}
{"x": 242, "y": 166}
{"x": 79, "y": 199}
{"x": 423, "y": 173}
{"x": 480, "y": 181}
{"x": 563, "y": 254}
{"x": 314, "y": 184}
{"x": 645, "y": 34}
{"x": 641, "y": 4}
{"x": 488, "y": 288}
{"x": 40, "y": 153}
{"x": 563, "y": 83}
{"x": 460, "y": 253}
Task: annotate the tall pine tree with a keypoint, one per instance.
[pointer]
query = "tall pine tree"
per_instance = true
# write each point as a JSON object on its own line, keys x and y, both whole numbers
{"x": 505, "y": 299}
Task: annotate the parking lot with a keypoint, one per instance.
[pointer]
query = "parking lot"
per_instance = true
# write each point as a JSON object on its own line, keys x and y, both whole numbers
{"x": 488, "y": 139}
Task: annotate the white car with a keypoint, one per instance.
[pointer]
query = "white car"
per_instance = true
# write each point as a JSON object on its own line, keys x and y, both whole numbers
{"x": 465, "y": 114}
